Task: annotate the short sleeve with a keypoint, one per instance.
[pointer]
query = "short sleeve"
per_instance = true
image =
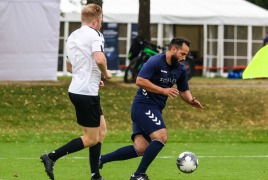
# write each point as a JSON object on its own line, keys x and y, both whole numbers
{"x": 98, "y": 44}
{"x": 182, "y": 82}
{"x": 148, "y": 69}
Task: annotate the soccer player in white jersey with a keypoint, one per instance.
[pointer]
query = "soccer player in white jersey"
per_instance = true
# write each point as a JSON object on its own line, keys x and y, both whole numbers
{"x": 86, "y": 61}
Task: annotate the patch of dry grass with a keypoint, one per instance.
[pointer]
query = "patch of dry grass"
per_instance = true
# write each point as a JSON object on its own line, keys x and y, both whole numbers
{"x": 224, "y": 108}
{"x": 47, "y": 108}
{"x": 224, "y": 81}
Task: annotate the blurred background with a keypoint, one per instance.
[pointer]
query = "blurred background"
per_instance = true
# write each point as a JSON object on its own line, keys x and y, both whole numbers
{"x": 224, "y": 34}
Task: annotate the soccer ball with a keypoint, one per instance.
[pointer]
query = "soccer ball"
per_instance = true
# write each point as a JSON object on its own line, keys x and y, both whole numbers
{"x": 187, "y": 162}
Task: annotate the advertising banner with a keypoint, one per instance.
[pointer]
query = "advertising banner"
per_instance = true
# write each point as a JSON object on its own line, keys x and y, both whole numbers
{"x": 110, "y": 33}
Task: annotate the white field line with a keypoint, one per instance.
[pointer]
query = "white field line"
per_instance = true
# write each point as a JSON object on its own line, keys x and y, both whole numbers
{"x": 163, "y": 157}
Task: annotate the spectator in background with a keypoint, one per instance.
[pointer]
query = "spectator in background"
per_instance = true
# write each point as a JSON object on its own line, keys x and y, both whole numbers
{"x": 265, "y": 40}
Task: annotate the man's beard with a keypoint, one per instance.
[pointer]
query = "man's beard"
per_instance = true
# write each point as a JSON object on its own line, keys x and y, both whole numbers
{"x": 174, "y": 61}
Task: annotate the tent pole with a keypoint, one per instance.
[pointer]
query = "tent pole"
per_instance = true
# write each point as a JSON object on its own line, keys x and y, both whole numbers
{"x": 66, "y": 32}
{"x": 220, "y": 60}
{"x": 205, "y": 51}
{"x": 249, "y": 44}
{"x": 160, "y": 35}
{"x": 128, "y": 41}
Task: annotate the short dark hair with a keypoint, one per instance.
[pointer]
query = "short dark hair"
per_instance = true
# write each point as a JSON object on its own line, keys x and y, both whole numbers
{"x": 178, "y": 42}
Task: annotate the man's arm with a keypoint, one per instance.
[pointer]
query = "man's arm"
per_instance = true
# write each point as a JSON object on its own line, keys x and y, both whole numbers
{"x": 187, "y": 97}
{"x": 149, "y": 86}
{"x": 101, "y": 63}
{"x": 69, "y": 66}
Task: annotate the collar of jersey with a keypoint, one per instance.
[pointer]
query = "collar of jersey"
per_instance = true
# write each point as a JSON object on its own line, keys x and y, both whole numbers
{"x": 93, "y": 28}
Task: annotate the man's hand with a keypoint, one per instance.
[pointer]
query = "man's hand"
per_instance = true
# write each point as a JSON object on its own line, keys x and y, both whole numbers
{"x": 170, "y": 92}
{"x": 109, "y": 75}
{"x": 101, "y": 85}
{"x": 196, "y": 104}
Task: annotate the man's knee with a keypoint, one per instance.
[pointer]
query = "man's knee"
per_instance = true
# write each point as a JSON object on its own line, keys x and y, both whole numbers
{"x": 163, "y": 139}
{"x": 90, "y": 141}
{"x": 102, "y": 135}
{"x": 140, "y": 148}
{"x": 140, "y": 144}
{"x": 160, "y": 135}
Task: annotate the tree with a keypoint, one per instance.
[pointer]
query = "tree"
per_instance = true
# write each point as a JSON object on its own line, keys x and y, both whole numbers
{"x": 99, "y": 2}
{"x": 144, "y": 20}
{"x": 261, "y": 3}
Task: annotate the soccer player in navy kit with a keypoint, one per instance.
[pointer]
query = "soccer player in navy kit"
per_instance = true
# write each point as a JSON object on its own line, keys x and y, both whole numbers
{"x": 155, "y": 80}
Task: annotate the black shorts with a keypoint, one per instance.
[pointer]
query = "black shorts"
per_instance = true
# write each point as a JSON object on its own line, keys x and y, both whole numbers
{"x": 88, "y": 109}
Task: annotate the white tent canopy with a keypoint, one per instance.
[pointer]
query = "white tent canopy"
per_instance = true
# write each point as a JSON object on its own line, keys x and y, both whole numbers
{"x": 198, "y": 12}
{"x": 233, "y": 12}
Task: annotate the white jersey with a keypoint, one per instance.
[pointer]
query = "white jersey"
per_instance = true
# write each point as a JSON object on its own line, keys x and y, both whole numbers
{"x": 80, "y": 46}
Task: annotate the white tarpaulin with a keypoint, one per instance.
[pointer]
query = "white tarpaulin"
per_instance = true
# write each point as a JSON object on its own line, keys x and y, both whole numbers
{"x": 29, "y": 39}
{"x": 230, "y": 12}
{"x": 197, "y": 12}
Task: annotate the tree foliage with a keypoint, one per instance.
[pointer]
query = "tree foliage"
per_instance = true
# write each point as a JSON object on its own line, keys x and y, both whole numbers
{"x": 261, "y": 3}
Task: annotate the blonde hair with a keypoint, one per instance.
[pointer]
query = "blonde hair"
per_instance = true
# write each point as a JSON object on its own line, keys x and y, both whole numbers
{"x": 90, "y": 12}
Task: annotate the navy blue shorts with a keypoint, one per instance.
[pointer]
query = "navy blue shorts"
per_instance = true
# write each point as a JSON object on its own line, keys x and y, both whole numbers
{"x": 145, "y": 121}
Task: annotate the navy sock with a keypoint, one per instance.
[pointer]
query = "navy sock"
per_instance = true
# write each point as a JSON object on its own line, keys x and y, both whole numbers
{"x": 94, "y": 152}
{"x": 149, "y": 155}
{"x": 120, "y": 154}
{"x": 71, "y": 147}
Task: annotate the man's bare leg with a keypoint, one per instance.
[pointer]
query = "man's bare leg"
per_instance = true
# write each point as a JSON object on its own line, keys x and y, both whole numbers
{"x": 95, "y": 150}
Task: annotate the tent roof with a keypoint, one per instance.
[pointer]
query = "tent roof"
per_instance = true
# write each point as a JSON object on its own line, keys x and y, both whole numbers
{"x": 231, "y": 12}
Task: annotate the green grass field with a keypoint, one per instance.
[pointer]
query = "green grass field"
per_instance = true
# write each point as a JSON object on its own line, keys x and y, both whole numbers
{"x": 229, "y": 136}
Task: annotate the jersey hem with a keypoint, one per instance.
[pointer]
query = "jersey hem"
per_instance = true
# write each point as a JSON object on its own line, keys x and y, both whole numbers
{"x": 86, "y": 94}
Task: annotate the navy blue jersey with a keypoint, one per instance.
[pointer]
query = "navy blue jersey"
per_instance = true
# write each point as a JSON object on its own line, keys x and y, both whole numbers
{"x": 160, "y": 73}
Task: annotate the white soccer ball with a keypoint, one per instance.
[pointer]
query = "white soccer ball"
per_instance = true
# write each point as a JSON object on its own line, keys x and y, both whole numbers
{"x": 187, "y": 162}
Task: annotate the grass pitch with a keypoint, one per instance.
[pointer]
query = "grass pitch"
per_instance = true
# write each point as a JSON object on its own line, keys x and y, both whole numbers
{"x": 216, "y": 161}
{"x": 229, "y": 136}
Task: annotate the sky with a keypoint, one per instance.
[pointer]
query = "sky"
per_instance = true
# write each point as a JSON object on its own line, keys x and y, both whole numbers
{"x": 66, "y": 6}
